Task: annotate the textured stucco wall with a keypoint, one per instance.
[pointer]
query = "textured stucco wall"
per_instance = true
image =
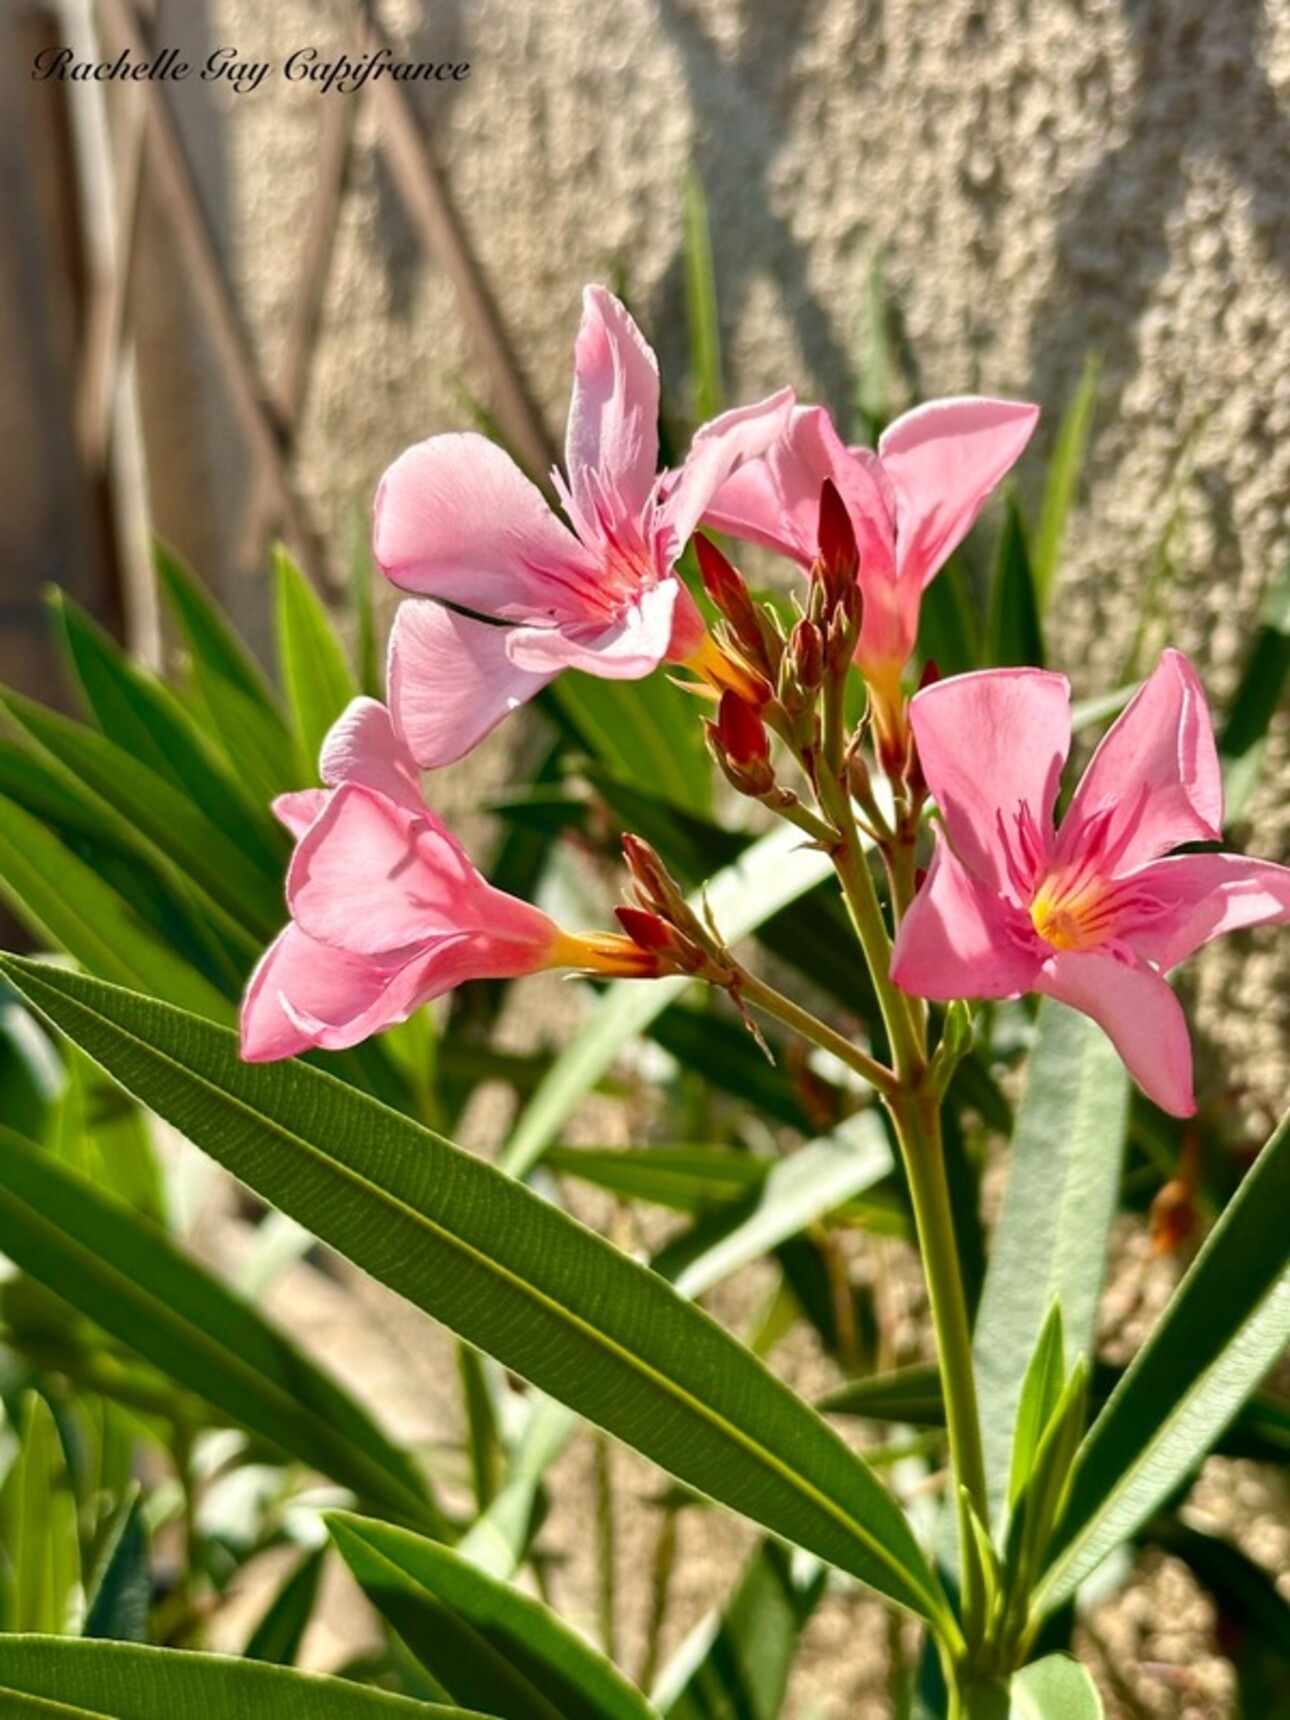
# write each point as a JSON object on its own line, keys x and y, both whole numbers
{"x": 1038, "y": 180}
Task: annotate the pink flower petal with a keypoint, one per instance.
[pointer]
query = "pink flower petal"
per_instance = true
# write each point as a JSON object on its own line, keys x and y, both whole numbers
{"x": 961, "y": 939}
{"x": 1199, "y": 897}
{"x": 457, "y": 519}
{"x": 362, "y": 747}
{"x": 1154, "y": 779}
{"x": 332, "y": 986}
{"x": 992, "y": 744}
{"x": 775, "y": 501}
{"x": 452, "y": 680}
{"x": 1139, "y": 1014}
{"x": 943, "y": 460}
{"x": 613, "y": 416}
{"x": 719, "y": 449}
{"x": 373, "y": 877}
{"x": 297, "y": 811}
{"x": 629, "y": 648}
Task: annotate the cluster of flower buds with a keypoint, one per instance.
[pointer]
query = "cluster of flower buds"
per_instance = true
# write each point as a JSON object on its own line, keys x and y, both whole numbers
{"x": 662, "y": 922}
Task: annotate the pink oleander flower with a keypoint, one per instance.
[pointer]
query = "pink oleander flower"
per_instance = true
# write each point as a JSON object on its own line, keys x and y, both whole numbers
{"x": 387, "y": 911}
{"x": 457, "y": 520}
{"x": 911, "y": 504}
{"x": 1096, "y": 911}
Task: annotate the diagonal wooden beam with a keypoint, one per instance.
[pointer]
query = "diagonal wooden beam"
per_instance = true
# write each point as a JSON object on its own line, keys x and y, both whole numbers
{"x": 429, "y": 203}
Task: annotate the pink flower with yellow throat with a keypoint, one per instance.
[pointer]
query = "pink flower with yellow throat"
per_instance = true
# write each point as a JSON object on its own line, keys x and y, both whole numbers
{"x": 458, "y": 521}
{"x": 1096, "y": 911}
{"x": 387, "y": 911}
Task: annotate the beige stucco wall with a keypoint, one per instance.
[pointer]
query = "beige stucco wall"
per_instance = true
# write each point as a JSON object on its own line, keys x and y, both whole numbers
{"x": 1035, "y": 180}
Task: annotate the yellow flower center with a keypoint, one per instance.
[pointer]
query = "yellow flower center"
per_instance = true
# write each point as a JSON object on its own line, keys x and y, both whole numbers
{"x": 1072, "y": 913}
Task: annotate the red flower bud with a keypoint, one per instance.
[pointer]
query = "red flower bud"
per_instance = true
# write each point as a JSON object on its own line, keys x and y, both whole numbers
{"x": 839, "y": 560}
{"x": 741, "y": 732}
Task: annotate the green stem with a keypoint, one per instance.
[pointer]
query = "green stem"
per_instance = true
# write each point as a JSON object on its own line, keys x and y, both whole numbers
{"x": 918, "y": 1125}
{"x": 866, "y": 916}
{"x": 762, "y": 996}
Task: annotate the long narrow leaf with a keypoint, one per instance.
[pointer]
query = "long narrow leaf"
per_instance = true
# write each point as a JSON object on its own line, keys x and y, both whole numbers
{"x": 507, "y": 1271}
{"x": 49, "y": 1679}
{"x": 319, "y": 682}
{"x": 1224, "y": 1329}
{"x": 1061, "y": 484}
{"x": 125, "y": 1275}
{"x": 486, "y": 1643}
{"x": 1051, "y": 1241}
{"x": 66, "y": 902}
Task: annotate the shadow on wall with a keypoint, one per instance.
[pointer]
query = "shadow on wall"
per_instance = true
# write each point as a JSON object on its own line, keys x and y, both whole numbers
{"x": 1201, "y": 91}
{"x": 744, "y": 105}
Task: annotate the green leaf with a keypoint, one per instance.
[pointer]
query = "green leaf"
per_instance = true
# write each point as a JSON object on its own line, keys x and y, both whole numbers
{"x": 121, "y": 1595}
{"x": 911, "y": 1394}
{"x": 1051, "y": 1239}
{"x": 1258, "y": 696}
{"x": 65, "y": 902}
{"x": 40, "y": 1561}
{"x": 1061, "y": 482}
{"x": 1041, "y": 1391}
{"x": 484, "y": 1642}
{"x": 145, "y": 719}
{"x": 247, "y": 886}
{"x": 507, "y": 1271}
{"x": 949, "y": 625}
{"x": 278, "y": 1635}
{"x": 1223, "y": 1330}
{"x": 483, "y": 1434}
{"x": 129, "y": 1278}
{"x": 42, "y": 1679}
{"x": 1055, "y": 1688}
{"x": 210, "y": 637}
{"x": 702, "y": 317}
{"x": 648, "y": 732}
{"x": 319, "y": 682}
{"x": 736, "y": 1667}
{"x": 773, "y": 872}
{"x": 686, "y": 1179}
{"x": 1015, "y": 634}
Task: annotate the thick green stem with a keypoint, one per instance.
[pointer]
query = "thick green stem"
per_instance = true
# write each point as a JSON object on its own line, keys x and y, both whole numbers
{"x": 918, "y": 1124}
{"x": 866, "y": 916}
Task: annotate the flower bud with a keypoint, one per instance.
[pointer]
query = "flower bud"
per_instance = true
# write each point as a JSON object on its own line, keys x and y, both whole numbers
{"x": 656, "y": 889}
{"x": 804, "y": 659}
{"x": 839, "y": 557}
{"x": 730, "y": 597}
{"x": 659, "y": 940}
{"x": 741, "y": 746}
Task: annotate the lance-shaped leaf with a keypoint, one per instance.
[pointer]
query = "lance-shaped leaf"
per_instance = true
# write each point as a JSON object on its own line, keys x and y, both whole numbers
{"x": 1051, "y": 1240}
{"x": 44, "y": 1678}
{"x": 508, "y": 1272}
{"x": 319, "y": 682}
{"x": 41, "y": 1569}
{"x": 1223, "y": 1330}
{"x": 483, "y": 1641}
{"x": 128, "y": 1277}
